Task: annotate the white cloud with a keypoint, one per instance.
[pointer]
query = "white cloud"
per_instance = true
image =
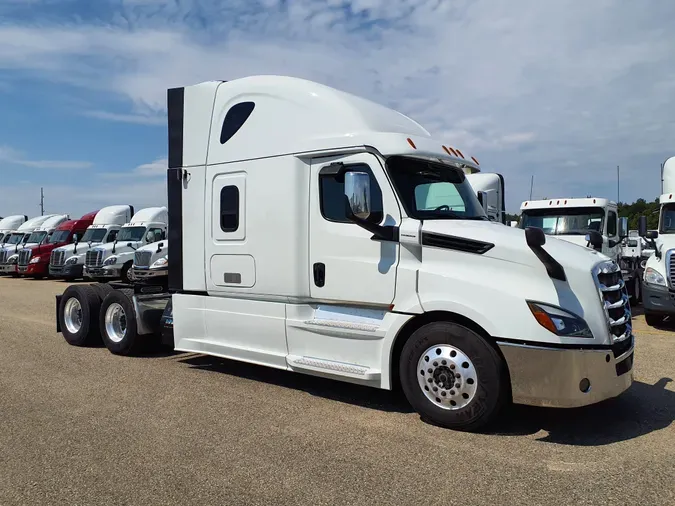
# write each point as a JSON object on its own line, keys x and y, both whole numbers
{"x": 154, "y": 169}
{"x": 563, "y": 90}
{"x": 12, "y": 156}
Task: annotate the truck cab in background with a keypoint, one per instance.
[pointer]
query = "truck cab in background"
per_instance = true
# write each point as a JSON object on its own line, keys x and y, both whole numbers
{"x": 8, "y": 225}
{"x": 114, "y": 260}
{"x": 67, "y": 262}
{"x": 34, "y": 260}
{"x": 659, "y": 273}
{"x": 591, "y": 222}
{"x": 151, "y": 263}
{"x": 32, "y": 232}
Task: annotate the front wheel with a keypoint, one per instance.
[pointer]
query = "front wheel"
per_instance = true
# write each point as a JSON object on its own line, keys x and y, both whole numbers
{"x": 453, "y": 377}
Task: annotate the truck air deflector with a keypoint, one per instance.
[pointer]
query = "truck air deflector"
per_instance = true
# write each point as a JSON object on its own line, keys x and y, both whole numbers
{"x": 535, "y": 239}
{"x": 455, "y": 243}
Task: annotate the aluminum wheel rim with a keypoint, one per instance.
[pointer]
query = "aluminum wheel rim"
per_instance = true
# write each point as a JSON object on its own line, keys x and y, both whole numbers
{"x": 72, "y": 315}
{"x": 447, "y": 377}
{"x": 115, "y": 322}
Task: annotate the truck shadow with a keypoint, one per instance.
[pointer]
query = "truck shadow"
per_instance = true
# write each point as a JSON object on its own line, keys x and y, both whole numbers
{"x": 637, "y": 412}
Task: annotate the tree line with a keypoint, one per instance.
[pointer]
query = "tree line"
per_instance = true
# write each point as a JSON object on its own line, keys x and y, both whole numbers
{"x": 631, "y": 211}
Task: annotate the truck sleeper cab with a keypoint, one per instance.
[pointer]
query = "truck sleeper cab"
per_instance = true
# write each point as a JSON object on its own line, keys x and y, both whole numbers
{"x": 378, "y": 265}
{"x": 8, "y": 225}
{"x": 31, "y": 233}
{"x": 67, "y": 262}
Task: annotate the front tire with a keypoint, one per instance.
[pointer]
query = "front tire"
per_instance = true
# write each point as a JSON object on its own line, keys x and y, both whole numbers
{"x": 653, "y": 319}
{"x": 78, "y": 315}
{"x": 117, "y": 321}
{"x": 453, "y": 377}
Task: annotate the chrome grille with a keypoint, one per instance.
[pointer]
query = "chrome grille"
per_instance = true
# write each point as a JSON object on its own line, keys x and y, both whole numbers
{"x": 142, "y": 258}
{"x": 94, "y": 258}
{"x": 24, "y": 256}
{"x": 615, "y": 300}
{"x": 57, "y": 258}
{"x": 670, "y": 266}
{"x": 3, "y": 256}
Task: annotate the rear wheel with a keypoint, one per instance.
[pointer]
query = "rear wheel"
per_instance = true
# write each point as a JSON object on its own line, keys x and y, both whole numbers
{"x": 453, "y": 377}
{"x": 78, "y": 315}
{"x": 102, "y": 289}
{"x": 117, "y": 321}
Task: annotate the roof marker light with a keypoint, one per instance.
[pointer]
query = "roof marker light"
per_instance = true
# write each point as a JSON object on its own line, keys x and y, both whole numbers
{"x": 447, "y": 150}
{"x": 460, "y": 153}
{"x": 594, "y": 201}
{"x": 557, "y": 203}
{"x": 411, "y": 143}
{"x": 565, "y": 202}
{"x": 454, "y": 153}
{"x": 475, "y": 160}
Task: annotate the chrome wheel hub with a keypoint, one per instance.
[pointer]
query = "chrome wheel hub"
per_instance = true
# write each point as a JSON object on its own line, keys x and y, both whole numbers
{"x": 72, "y": 315}
{"x": 115, "y": 322}
{"x": 447, "y": 377}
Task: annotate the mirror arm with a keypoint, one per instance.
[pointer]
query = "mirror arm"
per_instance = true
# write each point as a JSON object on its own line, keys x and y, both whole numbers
{"x": 381, "y": 233}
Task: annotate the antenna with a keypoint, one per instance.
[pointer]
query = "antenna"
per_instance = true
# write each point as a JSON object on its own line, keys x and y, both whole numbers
{"x": 42, "y": 202}
{"x": 531, "y": 185}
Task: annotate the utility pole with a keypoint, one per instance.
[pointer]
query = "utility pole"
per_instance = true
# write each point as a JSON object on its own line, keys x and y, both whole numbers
{"x": 618, "y": 194}
{"x": 531, "y": 185}
{"x": 42, "y": 202}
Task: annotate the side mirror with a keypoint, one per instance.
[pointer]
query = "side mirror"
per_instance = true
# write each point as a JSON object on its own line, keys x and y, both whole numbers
{"x": 623, "y": 227}
{"x": 483, "y": 199}
{"x": 535, "y": 237}
{"x": 357, "y": 191}
{"x": 76, "y": 239}
{"x": 595, "y": 239}
{"x": 160, "y": 246}
{"x": 652, "y": 234}
{"x": 642, "y": 226}
{"x": 129, "y": 245}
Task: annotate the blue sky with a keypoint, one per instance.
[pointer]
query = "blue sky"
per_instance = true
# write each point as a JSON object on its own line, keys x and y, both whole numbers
{"x": 563, "y": 89}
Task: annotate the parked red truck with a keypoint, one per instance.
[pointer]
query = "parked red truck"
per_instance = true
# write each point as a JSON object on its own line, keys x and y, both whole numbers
{"x": 34, "y": 261}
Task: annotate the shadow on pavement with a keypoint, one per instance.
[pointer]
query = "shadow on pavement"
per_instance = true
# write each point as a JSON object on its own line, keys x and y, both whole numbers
{"x": 637, "y": 412}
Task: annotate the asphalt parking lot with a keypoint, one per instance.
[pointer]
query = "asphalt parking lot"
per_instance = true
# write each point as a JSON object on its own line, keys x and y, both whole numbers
{"x": 80, "y": 426}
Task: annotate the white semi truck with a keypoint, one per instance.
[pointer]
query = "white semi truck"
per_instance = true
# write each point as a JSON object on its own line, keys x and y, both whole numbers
{"x": 113, "y": 260}
{"x": 8, "y": 225}
{"x": 659, "y": 274}
{"x": 67, "y": 262}
{"x": 336, "y": 245}
{"x": 31, "y": 233}
{"x": 151, "y": 263}
{"x": 592, "y": 222}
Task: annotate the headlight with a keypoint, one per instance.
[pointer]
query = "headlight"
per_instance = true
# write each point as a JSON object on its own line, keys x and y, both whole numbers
{"x": 560, "y": 322}
{"x": 110, "y": 261}
{"x": 159, "y": 263}
{"x": 13, "y": 259}
{"x": 34, "y": 260}
{"x": 653, "y": 277}
{"x": 71, "y": 261}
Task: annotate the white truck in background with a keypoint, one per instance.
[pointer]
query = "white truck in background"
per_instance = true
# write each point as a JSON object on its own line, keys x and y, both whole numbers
{"x": 31, "y": 233}
{"x": 113, "y": 260}
{"x": 10, "y": 224}
{"x": 659, "y": 274}
{"x": 334, "y": 245}
{"x": 151, "y": 263}
{"x": 67, "y": 262}
{"x": 592, "y": 222}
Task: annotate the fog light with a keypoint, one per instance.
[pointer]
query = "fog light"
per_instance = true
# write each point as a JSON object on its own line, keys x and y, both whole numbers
{"x": 585, "y": 385}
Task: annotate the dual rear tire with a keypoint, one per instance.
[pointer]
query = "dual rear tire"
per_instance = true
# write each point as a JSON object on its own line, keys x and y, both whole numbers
{"x": 91, "y": 313}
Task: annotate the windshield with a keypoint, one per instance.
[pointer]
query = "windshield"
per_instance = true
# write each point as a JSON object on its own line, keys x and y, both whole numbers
{"x": 131, "y": 234}
{"x": 668, "y": 219}
{"x": 36, "y": 237}
{"x": 433, "y": 190}
{"x": 59, "y": 236}
{"x": 2, "y": 235}
{"x": 93, "y": 235}
{"x": 572, "y": 221}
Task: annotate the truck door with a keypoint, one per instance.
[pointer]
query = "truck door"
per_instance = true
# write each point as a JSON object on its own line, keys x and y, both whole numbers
{"x": 346, "y": 265}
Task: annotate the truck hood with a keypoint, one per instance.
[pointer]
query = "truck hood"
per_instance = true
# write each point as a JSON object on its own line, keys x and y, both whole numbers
{"x": 82, "y": 247}
{"x": 510, "y": 245}
{"x": 120, "y": 248}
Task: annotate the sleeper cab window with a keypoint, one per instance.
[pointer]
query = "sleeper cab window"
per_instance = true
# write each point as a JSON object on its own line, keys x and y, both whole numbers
{"x": 229, "y": 208}
{"x": 235, "y": 119}
{"x": 332, "y": 196}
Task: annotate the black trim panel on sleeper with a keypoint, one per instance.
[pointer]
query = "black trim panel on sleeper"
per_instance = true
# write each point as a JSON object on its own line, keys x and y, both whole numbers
{"x": 175, "y": 115}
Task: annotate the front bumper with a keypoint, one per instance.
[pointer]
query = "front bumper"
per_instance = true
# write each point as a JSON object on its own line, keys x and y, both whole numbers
{"x": 39, "y": 269}
{"x": 147, "y": 273}
{"x": 66, "y": 271}
{"x": 8, "y": 268}
{"x": 113, "y": 272}
{"x": 555, "y": 377}
{"x": 658, "y": 299}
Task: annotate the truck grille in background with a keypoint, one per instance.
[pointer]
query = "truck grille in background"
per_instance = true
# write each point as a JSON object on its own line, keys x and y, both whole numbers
{"x": 670, "y": 267}
{"x": 94, "y": 258}
{"x": 57, "y": 258}
{"x": 142, "y": 258}
{"x": 3, "y": 257}
{"x": 615, "y": 300}
{"x": 24, "y": 256}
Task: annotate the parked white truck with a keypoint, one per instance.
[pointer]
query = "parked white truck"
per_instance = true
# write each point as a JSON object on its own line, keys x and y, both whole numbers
{"x": 114, "y": 260}
{"x": 592, "y": 222}
{"x": 31, "y": 233}
{"x": 312, "y": 246}
{"x": 67, "y": 262}
{"x": 659, "y": 274}
{"x": 10, "y": 224}
{"x": 151, "y": 263}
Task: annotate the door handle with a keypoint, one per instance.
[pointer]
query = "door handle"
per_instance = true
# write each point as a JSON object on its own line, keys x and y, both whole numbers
{"x": 319, "y": 274}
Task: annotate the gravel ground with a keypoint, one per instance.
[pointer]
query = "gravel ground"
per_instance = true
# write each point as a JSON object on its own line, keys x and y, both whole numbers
{"x": 84, "y": 427}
